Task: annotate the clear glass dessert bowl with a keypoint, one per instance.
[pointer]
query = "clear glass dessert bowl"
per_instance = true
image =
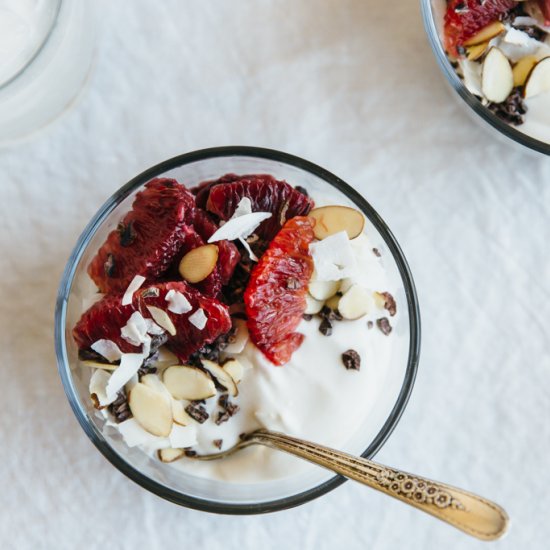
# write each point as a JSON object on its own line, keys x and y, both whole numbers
{"x": 433, "y": 22}
{"x": 218, "y": 495}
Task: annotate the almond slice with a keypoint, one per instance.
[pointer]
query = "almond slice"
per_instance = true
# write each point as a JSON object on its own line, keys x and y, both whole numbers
{"x": 97, "y": 365}
{"x": 538, "y": 80}
{"x": 224, "y": 378}
{"x": 162, "y": 319}
{"x": 497, "y": 78}
{"x": 198, "y": 263}
{"x": 323, "y": 290}
{"x": 473, "y": 53}
{"x": 333, "y": 219}
{"x": 151, "y": 409}
{"x": 486, "y": 34}
{"x": 239, "y": 339}
{"x": 355, "y": 303}
{"x": 170, "y": 455}
{"x": 185, "y": 382}
{"x": 522, "y": 69}
{"x": 313, "y": 306}
{"x": 179, "y": 415}
{"x": 235, "y": 369}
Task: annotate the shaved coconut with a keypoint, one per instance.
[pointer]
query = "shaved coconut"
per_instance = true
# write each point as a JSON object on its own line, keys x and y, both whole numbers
{"x": 134, "y": 435}
{"x": 333, "y": 257}
{"x": 182, "y": 436}
{"x": 153, "y": 328}
{"x": 244, "y": 207}
{"x": 239, "y": 227}
{"x": 136, "y": 283}
{"x": 108, "y": 349}
{"x": 163, "y": 319}
{"x": 517, "y": 44}
{"x": 177, "y": 302}
{"x": 98, "y": 389}
{"x": 251, "y": 254}
{"x": 135, "y": 330}
{"x": 198, "y": 319}
{"x": 129, "y": 365}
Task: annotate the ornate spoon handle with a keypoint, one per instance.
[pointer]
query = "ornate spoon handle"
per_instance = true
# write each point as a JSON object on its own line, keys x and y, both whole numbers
{"x": 470, "y": 513}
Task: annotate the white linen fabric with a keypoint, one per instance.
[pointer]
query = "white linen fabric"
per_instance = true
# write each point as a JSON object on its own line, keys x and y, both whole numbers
{"x": 353, "y": 86}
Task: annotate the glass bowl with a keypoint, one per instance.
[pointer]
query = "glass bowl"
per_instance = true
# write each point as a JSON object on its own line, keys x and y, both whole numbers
{"x": 225, "y": 496}
{"x": 499, "y": 128}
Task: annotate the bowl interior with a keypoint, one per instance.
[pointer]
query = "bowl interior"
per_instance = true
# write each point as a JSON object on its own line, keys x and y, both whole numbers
{"x": 226, "y": 496}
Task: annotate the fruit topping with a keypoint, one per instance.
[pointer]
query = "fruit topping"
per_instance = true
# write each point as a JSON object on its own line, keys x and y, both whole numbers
{"x": 333, "y": 219}
{"x": 106, "y": 319}
{"x": 466, "y": 21}
{"x": 158, "y": 214}
{"x": 275, "y": 298}
{"x": 266, "y": 195}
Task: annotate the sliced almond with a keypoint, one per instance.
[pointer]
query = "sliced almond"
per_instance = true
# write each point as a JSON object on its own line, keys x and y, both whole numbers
{"x": 179, "y": 415}
{"x": 235, "y": 369}
{"x": 151, "y": 409}
{"x": 162, "y": 319}
{"x": 323, "y": 290}
{"x": 223, "y": 377}
{"x": 155, "y": 383}
{"x": 239, "y": 339}
{"x": 379, "y": 300}
{"x": 497, "y": 78}
{"x": 185, "y": 382}
{"x": 313, "y": 306}
{"x": 345, "y": 285}
{"x": 170, "y": 455}
{"x": 355, "y": 303}
{"x": 333, "y": 219}
{"x": 486, "y": 33}
{"x": 473, "y": 53}
{"x": 333, "y": 302}
{"x": 198, "y": 263}
{"x": 522, "y": 69}
{"x": 538, "y": 80}
{"x": 98, "y": 365}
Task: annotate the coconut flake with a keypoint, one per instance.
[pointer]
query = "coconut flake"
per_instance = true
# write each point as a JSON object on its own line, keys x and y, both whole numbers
{"x": 98, "y": 387}
{"x": 135, "y": 330}
{"x": 153, "y": 328}
{"x": 240, "y": 227}
{"x": 182, "y": 436}
{"x": 108, "y": 349}
{"x": 177, "y": 302}
{"x": 244, "y": 207}
{"x": 517, "y": 44}
{"x": 333, "y": 257}
{"x": 253, "y": 256}
{"x": 129, "y": 365}
{"x": 136, "y": 283}
{"x": 198, "y": 319}
{"x": 134, "y": 435}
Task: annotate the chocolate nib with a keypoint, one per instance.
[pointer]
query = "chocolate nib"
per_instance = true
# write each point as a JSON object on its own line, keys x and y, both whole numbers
{"x": 511, "y": 110}
{"x": 351, "y": 360}
{"x": 197, "y": 412}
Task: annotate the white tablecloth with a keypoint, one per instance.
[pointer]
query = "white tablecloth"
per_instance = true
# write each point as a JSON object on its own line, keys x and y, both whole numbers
{"x": 353, "y": 86}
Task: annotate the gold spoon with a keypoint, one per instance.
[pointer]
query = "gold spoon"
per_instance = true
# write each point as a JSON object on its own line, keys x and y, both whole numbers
{"x": 470, "y": 513}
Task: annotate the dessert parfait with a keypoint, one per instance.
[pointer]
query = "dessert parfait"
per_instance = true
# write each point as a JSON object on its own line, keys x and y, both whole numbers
{"x": 501, "y": 50}
{"x": 242, "y": 303}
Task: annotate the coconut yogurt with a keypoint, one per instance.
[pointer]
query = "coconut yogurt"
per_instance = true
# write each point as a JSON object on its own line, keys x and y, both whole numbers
{"x": 317, "y": 395}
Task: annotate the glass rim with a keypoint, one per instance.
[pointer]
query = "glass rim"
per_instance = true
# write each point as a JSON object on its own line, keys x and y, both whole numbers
{"x": 40, "y": 48}
{"x": 470, "y": 99}
{"x": 65, "y": 288}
